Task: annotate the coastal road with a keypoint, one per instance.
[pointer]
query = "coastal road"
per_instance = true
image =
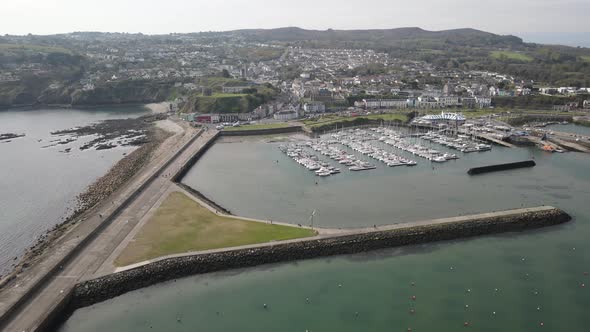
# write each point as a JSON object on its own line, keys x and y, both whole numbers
{"x": 85, "y": 263}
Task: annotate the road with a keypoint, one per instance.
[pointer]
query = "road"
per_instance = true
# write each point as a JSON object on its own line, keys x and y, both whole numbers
{"x": 85, "y": 263}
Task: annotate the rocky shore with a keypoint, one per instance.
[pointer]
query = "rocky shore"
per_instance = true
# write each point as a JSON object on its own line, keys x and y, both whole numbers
{"x": 120, "y": 173}
{"x": 9, "y": 136}
{"x": 110, "y": 133}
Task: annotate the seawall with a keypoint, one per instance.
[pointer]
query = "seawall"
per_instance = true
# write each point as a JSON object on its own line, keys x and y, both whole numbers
{"x": 107, "y": 287}
{"x": 501, "y": 167}
{"x": 269, "y": 131}
{"x": 68, "y": 253}
{"x": 177, "y": 178}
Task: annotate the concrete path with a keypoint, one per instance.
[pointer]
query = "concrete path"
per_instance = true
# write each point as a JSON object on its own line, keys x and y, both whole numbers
{"x": 86, "y": 263}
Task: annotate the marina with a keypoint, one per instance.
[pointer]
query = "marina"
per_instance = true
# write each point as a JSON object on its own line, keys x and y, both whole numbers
{"x": 353, "y": 148}
{"x": 311, "y": 162}
{"x": 412, "y": 285}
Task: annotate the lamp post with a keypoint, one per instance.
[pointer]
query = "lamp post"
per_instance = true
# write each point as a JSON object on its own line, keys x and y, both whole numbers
{"x": 311, "y": 218}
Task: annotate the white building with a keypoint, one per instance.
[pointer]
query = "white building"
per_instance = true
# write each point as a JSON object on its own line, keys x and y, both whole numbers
{"x": 483, "y": 102}
{"x": 316, "y": 107}
{"x": 444, "y": 118}
{"x": 289, "y": 114}
{"x": 286, "y": 115}
{"x": 448, "y": 101}
{"x": 586, "y": 103}
{"x": 382, "y": 103}
{"x": 428, "y": 102}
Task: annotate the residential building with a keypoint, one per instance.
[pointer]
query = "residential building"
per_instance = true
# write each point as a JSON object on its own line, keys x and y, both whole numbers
{"x": 382, "y": 103}
{"x": 469, "y": 102}
{"x": 316, "y": 107}
{"x": 483, "y": 102}
{"x": 448, "y": 101}
{"x": 289, "y": 114}
{"x": 587, "y": 104}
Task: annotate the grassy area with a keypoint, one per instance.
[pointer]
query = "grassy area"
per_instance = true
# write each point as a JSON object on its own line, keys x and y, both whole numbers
{"x": 182, "y": 225}
{"x": 499, "y": 55}
{"x": 259, "y": 126}
{"x": 333, "y": 119}
{"x": 33, "y": 48}
{"x": 585, "y": 58}
{"x": 226, "y": 95}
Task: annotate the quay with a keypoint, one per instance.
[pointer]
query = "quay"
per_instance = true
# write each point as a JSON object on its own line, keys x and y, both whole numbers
{"x": 30, "y": 300}
{"x": 491, "y": 139}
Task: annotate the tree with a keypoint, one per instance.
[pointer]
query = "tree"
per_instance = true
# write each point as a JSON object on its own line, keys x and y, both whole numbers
{"x": 225, "y": 73}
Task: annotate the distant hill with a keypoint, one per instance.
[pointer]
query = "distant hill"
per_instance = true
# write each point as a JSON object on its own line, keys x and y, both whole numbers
{"x": 385, "y": 37}
{"x": 467, "y": 49}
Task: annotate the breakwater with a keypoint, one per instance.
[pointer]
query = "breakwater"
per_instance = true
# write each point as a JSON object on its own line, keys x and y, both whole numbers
{"x": 204, "y": 198}
{"x": 177, "y": 178}
{"x": 501, "y": 167}
{"x": 104, "y": 288}
{"x": 52, "y": 266}
{"x": 269, "y": 131}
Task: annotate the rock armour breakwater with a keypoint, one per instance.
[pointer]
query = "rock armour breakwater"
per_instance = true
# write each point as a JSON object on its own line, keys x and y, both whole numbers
{"x": 501, "y": 167}
{"x": 107, "y": 287}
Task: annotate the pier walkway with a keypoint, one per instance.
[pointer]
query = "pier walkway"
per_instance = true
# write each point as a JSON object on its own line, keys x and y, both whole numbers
{"x": 495, "y": 140}
{"x": 28, "y": 301}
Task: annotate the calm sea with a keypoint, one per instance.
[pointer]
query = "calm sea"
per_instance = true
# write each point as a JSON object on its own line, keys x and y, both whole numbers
{"x": 38, "y": 185}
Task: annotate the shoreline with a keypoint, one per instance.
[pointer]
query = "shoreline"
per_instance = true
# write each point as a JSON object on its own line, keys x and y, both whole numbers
{"x": 95, "y": 193}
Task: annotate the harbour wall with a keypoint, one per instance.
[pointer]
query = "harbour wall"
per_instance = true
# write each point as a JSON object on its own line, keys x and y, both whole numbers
{"x": 269, "y": 131}
{"x": 107, "y": 287}
{"x": 523, "y": 119}
{"x": 501, "y": 167}
{"x": 177, "y": 178}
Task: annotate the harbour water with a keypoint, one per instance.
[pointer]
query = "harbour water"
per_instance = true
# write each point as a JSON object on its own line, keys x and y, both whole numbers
{"x": 516, "y": 282}
{"x": 570, "y": 128}
{"x": 38, "y": 185}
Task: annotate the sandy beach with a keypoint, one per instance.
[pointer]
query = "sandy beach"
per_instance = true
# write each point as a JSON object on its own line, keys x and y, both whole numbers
{"x": 156, "y": 108}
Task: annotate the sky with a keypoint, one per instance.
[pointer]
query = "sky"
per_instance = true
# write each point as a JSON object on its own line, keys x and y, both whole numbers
{"x": 167, "y": 16}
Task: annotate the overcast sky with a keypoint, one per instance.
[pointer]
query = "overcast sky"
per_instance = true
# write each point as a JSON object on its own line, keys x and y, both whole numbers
{"x": 165, "y": 16}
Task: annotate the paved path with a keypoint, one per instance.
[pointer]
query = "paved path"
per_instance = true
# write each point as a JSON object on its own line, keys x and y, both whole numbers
{"x": 86, "y": 263}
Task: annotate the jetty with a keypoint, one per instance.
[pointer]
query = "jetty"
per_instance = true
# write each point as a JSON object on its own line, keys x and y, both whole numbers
{"x": 495, "y": 140}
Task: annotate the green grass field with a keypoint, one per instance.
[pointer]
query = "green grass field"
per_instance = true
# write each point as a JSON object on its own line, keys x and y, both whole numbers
{"x": 511, "y": 56}
{"x": 585, "y": 58}
{"x": 182, "y": 225}
{"x": 259, "y": 126}
{"x": 33, "y": 48}
{"x": 333, "y": 119}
